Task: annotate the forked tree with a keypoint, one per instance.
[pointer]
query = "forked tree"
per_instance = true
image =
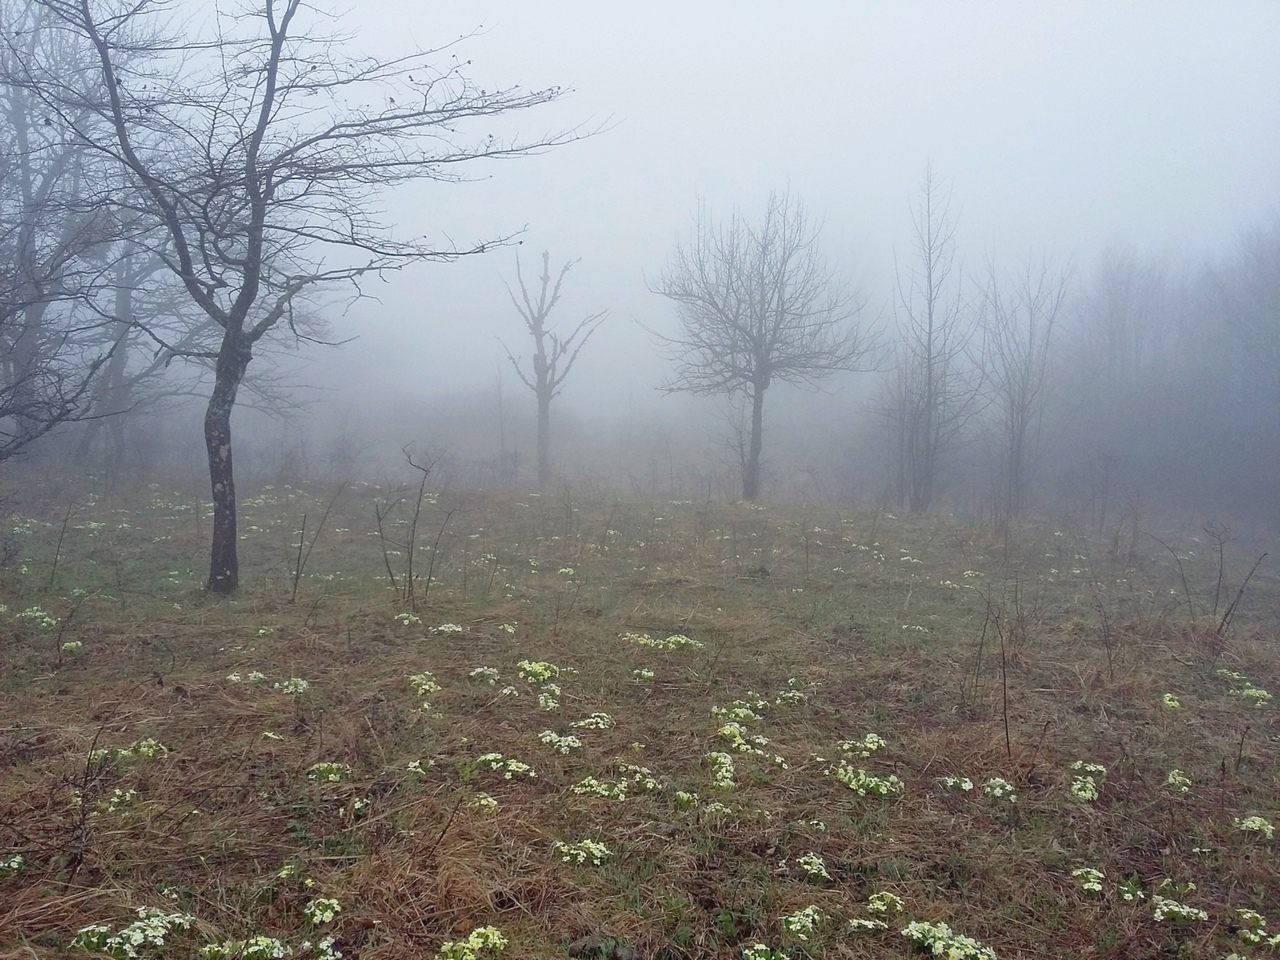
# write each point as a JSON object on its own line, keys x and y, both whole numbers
{"x": 257, "y": 144}
{"x": 553, "y": 354}
{"x": 758, "y": 305}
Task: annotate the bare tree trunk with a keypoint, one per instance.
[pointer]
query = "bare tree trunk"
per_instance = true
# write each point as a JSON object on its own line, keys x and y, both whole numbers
{"x": 224, "y": 566}
{"x": 544, "y": 439}
{"x": 751, "y": 469}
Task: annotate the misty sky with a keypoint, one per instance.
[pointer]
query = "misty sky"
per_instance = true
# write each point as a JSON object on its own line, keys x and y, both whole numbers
{"x": 1064, "y": 128}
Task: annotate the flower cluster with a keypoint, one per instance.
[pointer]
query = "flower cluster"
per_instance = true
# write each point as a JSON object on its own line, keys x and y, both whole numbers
{"x": 294, "y": 685}
{"x": 321, "y": 910}
{"x": 863, "y": 747}
{"x": 814, "y": 865}
{"x": 147, "y": 747}
{"x": 863, "y": 783}
{"x": 1165, "y": 909}
{"x": 329, "y": 771}
{"x": 146, "y": 934}
{"x": 803, "y": 923}
{"x": 1178, "y": 782}
{"x": 941, "y": 941}
{"x": 1085, "y": 787}
{"x": 1252, "y": 929}
{"x": 584, "y": 851}
{"x": 506, "y": 766}
{"x": 255, "y": 948}
{"x": 760, "y": 951}
{"x": 722, "y": 772}
{"x": 11, "y": 864}
{"x": 747, "y": 710}
{"x": 480, "y": 941}
{"x": 423, "y": 684}
{"x": 537, "y": 671}
{"x": 1171, "y": 701}
{"x": 1255, "y": 824}
{"x": 998, "y": 788}
{"x": 955, "y": 784}
{"x": 676, "y": 641}
{"x": 597, "y": 721}
{"x": 792, "y": 693}
{"x": 487, "y": 675}
{"x": 608, "y": 789}
{"x": 1090, "y": 879}
{"x": 557, "y": 743}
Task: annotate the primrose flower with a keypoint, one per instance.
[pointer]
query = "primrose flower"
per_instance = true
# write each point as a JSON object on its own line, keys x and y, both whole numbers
{"x": 1165, "y": 909}
{"x": 294, "y": 685}
{"x": 147, "y": 933}
{"x": 1178, "y": 781}
{"x": 482, "y": 941}
{"x": 423, "y": 684}
{"x": 863, "y": 747}
{"x": 255, "y": 948}
{"x": 1130, "y": 889}
{"x": 1090, "y": 879}
{"x": 998, "y": 788}
{"x": 803, "y": 923}
{"x": 597, "y": 721}
{"x": 941, "y": 941}
{"x": 557, "y": 743}
{"x": 72, "y": 648}
{"x": 1254, "y": 824}
{"x": 864, "y": 925}
{"x": 760, "y": 951}
{"x": 1255, "y": 695}
{"x": 329, "y": 771}
{"x": 814, "y": 866}
{"x": 643, "y": 673}
{"x": 722, "y": 772}
{"x": 1171, "y": 701}
{"x": 321, "y": 910}
{"x": 11, "y": 864}
{"x": 863, "y": 783}
{"x": 956, "y": 784}
{"x": 482, "y": 801}
{"x": 884, "y": 903}
{"x": 449, "y": 628}
{"x": 487, "y": 675}
{"x": 582, "y": 852}
{"x": 609, "y": 790}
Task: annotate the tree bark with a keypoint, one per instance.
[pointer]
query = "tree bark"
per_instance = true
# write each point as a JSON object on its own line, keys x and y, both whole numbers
{"x": 751, "y": 469}
{"x": 544, "y": 438}
{"x": 224, "y": 566}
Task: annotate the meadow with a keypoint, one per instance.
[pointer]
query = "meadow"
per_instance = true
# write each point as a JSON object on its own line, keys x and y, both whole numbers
{"x": 454, "y": 725}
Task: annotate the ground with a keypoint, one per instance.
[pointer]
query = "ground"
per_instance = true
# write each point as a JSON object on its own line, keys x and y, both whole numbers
{"x": 590, "y": 726}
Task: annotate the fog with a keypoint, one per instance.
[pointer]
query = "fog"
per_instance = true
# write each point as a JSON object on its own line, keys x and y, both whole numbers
{"x": 1065, "y": 134}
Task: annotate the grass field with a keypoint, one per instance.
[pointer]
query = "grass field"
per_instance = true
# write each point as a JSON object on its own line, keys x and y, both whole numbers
{"x": 615, "y": 728}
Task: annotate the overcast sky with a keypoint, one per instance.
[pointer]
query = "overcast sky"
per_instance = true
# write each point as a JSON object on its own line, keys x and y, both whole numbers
{"x": 1063, "y": 127}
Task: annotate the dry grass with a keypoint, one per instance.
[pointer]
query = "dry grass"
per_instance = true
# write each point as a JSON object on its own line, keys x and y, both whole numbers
{"x": 873, "y": 617}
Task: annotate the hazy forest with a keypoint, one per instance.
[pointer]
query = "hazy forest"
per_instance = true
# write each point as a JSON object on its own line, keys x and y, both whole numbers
{"x": 415, "y": 544}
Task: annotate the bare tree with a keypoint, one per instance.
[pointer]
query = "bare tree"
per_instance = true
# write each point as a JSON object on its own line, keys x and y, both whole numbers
{"x": 935, "y": 387}
{"x": 553, "y": 355}
{"x": 1020, "y": 315}
{"x": 757, "y": 304}
{"x": 257, "y": 149}
{"x": 54, "y": 251}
